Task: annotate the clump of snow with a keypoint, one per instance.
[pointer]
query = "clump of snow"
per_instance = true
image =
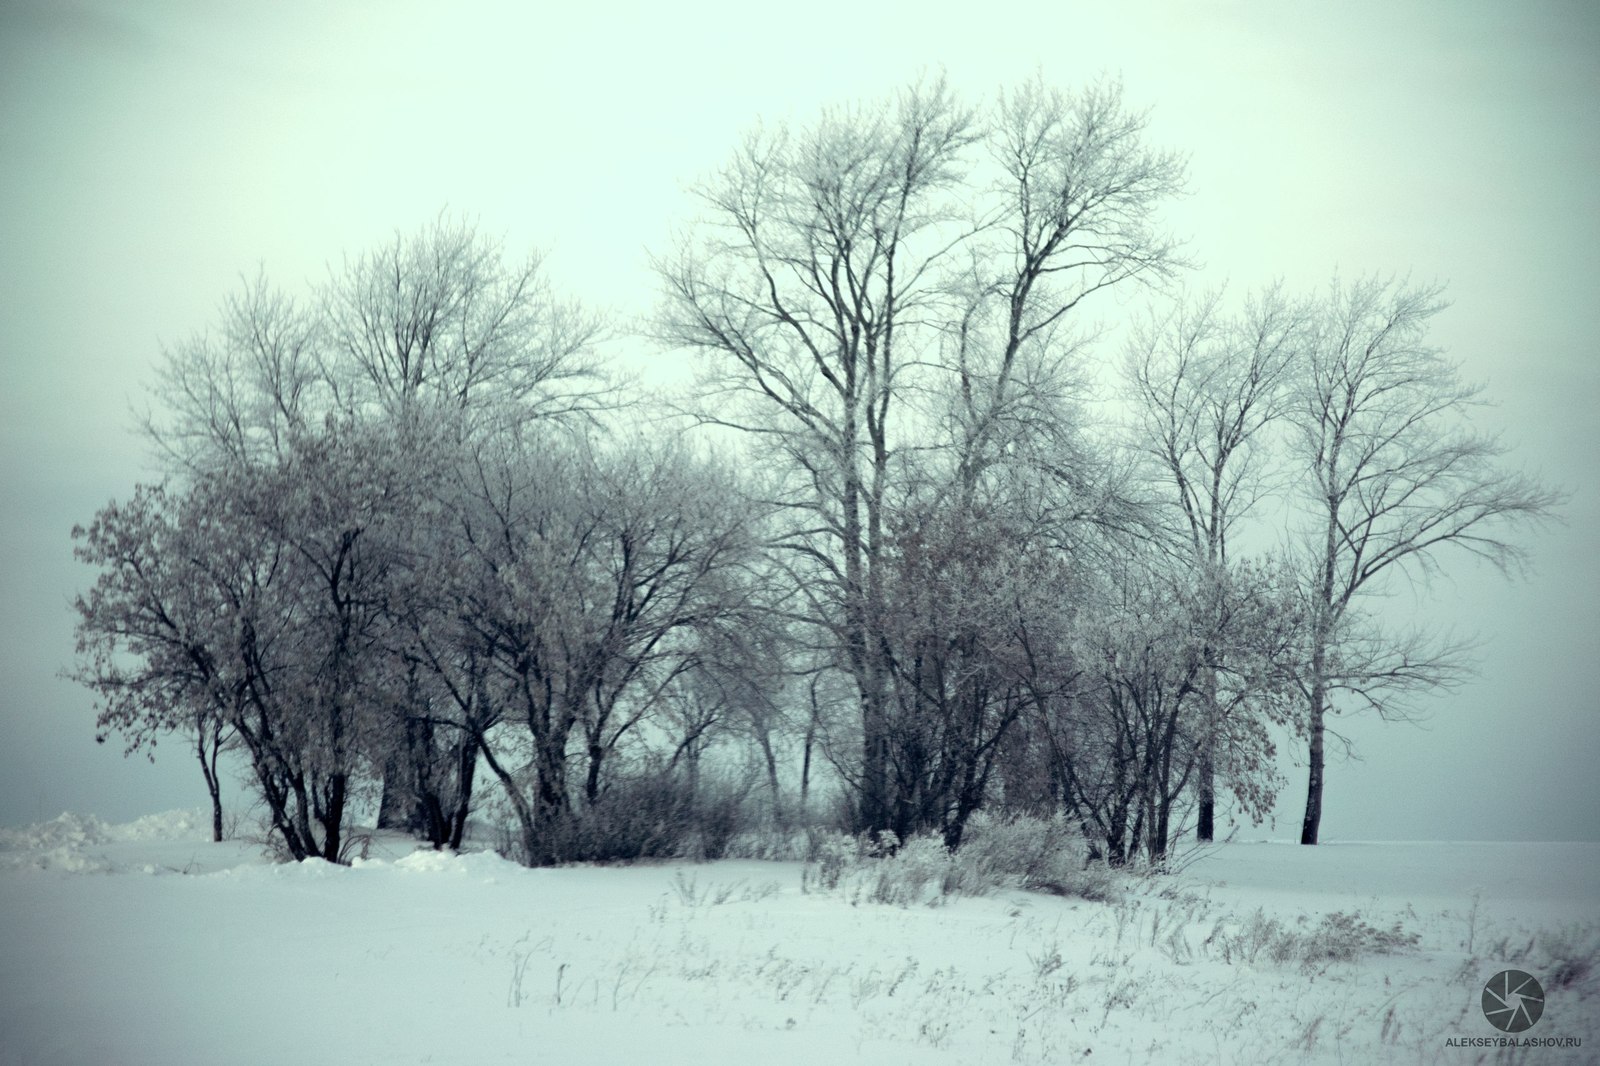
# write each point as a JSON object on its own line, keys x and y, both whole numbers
{"x": 428, "y": 861}
{"x": 58, "y": 844}
{"x": 480, "y": 864}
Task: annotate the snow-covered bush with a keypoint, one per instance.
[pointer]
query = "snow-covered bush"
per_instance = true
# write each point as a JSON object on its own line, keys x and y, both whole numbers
{"x": 718, "y": 815}
{"x": 914, "y": 873}
{"x": 997, "y": 852}
{"x": 1018, "y": 851}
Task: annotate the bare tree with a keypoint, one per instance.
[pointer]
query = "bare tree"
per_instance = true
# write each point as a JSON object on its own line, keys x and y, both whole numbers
{"x": 818, "y": 263}
{"x": 143, "y": 633}
{"x": 1071, "y": 212}
{"x": 1207, "y": 387}
{"x": 1126, "y": 732}
{"x": 587, "y": 573}
{"x": 256, "y": 596}
{"x": 1396, "y": 478}
{"x": 233, "y": 397}
{"x": 847, "y": 271}
{"x": 442, "y": 318}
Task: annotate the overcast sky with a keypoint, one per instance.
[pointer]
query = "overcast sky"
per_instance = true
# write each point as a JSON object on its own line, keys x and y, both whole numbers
{"x": 152, "y": 152}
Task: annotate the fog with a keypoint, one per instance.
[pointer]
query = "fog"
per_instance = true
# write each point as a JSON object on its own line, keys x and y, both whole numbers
{"x": 152, "y": 154}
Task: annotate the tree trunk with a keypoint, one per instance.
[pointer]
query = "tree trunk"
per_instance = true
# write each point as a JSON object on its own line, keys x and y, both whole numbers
{"x": 208, "y": 767}
{"x": 875, "y": 813}
{"x": 333, "y": 819}
{"x": 771, "y": 760}
{"x": 1206, "y": 781}
{"x": 396, "y": 803}
{"x": 591, "y": 781}
{"x": 1321, "y": 629}
{"x": 805, "y": 768}
{"x": 466, "y": 772}
{"x": 1313, "y": 820}
{"x": 519, "y": 803}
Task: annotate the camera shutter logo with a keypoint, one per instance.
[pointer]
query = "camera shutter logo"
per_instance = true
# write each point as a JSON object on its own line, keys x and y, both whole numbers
{"x": 1513, "y": 1001}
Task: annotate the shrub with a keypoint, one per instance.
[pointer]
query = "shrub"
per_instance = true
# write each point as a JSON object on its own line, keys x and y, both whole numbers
{"x": 910, "y": 873}
{"x": 643, "y": 814}
{"x": 717, "y": 817}
{"x": 1569, "y": 954}
{"x": 996, "y": 853}
{"x": 638, "y": 816}
{"x": 1341, "y": 937}
{"x": 1018, "y": 851}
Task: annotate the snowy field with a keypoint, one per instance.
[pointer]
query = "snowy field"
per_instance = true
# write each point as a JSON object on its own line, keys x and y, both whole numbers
{"x": 145, "y": 943}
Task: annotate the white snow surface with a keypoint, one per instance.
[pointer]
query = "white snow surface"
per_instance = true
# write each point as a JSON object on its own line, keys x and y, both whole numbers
{"x": 147, "y": 943}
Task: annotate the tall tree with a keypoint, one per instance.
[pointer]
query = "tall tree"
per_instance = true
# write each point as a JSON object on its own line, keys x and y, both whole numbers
{"x": 1396, "y": 478}
{"x": 819, "y": 265}
{"x": 1207, "y": 386}
{"x": 848, "y": 268}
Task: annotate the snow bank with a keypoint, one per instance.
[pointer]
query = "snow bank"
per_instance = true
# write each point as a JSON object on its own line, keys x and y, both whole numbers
{"x": 66, "y": 830}
{"x": 59, "y": 844}
{"x": 191, "y": 825}
{"x": 74, "y": 843}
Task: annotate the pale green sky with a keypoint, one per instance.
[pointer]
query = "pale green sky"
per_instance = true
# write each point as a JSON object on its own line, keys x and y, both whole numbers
{"x": 151, "y": 152}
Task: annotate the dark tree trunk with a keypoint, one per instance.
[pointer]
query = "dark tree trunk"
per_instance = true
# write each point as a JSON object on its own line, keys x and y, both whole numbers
{"x": 397, "y": 803}
{"x": 875, "y": 814}
{"x": 805, "y": 770}
{"x": 333, "y": 818}
{"x": 1310, "y": 828}
{"x": 466, "y": 772}
{"x": 591, "y": 781}
{"x": 771, "y": 759}
{"x": 1318, "y": 705}
{"x": 1205, "y": 771}
{"x": 209, "y": 746}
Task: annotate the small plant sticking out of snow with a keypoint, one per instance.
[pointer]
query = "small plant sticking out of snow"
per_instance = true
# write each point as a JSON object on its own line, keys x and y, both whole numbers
{"x": 1338, "y": 937}
{"x": 691, "y": 894}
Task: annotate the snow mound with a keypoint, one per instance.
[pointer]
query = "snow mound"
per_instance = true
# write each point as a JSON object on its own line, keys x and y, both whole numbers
{"x": 73, "y": 843}
{"x": 481, "y": 864}
{"x": 184, "y": 825}
{"x": 67, "y": 830}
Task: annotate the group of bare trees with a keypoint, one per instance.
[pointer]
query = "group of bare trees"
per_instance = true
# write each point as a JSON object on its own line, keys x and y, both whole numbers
{"x": 405, "y": 534}
{"x": 394, "y": 544}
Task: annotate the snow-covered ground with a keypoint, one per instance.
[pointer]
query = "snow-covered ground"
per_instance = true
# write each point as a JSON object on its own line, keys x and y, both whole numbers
{"x": 145, "y": 943}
